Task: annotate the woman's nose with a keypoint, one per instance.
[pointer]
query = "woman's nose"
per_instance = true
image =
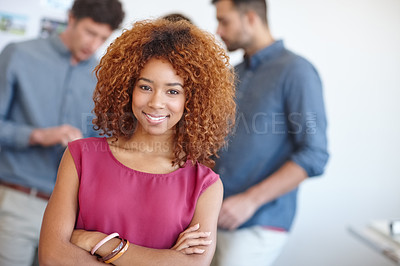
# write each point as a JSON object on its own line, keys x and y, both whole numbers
{"x": 157, "y": 100}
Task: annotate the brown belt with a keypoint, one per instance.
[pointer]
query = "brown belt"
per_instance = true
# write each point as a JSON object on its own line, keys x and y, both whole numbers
{"x": 26, "y": 190}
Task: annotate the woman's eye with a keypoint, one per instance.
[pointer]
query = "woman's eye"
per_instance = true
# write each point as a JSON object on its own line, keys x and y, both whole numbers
{"x": 144, "y": 87}
{"x": 173, "y": 92}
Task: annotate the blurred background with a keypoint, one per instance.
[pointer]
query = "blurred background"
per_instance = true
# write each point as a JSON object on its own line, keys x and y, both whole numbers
{"x": 355, "y": 45}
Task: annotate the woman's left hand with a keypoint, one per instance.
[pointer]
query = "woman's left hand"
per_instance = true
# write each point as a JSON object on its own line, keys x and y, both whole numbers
{"x": 189, "y": 241}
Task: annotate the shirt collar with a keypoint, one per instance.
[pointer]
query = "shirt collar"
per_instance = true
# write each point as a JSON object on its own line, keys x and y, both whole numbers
{"x": 55, "y": 40}
{"x": 60, "y": 47}
{"x": 263, "y": 55}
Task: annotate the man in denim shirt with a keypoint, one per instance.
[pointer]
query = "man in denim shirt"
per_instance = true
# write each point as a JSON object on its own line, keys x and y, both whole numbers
{"x": 46, "y": 87}
{"x": 279, "y": 141}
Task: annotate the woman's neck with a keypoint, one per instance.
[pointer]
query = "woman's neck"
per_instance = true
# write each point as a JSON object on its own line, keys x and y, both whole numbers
{"x": 147, "y": 144}
{"x": 147, "y": 154}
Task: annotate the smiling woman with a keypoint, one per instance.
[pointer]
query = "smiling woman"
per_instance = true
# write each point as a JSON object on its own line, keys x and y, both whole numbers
{"x": 158, "y": 99}
{"x": 145, "y": 195}
{"x": 207, "y": 78}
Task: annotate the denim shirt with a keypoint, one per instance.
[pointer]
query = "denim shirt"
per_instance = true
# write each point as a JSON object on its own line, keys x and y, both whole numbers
{"x": 39, "y": 88}
{"x": 280, "y": 118}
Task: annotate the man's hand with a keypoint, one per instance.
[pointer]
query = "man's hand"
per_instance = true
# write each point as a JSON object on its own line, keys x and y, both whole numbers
{"x": 236, "y": 210}
{"x": 54, "y": 135}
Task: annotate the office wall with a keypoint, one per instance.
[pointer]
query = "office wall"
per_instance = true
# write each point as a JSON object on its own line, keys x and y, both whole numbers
{"x": 355, "y": 46}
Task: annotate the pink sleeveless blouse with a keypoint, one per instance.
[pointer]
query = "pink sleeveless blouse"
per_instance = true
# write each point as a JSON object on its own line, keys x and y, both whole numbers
{"x": 149, "y": 210}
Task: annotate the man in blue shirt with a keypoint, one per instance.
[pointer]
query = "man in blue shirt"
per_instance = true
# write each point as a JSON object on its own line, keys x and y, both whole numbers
{"x": 46, "y": 88}
{"x": 279, "y": 141}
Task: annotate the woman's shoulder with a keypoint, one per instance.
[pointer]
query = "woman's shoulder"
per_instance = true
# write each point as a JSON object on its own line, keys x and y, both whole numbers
{"x": 91, "y": 140}
{"x": 202, "y": 173}
{"x": 89, "y": 144}
{"x": 197, "y": 166}
{"x": 205, "y": 168}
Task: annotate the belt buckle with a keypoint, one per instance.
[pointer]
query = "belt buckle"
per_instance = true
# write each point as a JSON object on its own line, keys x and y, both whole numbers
{"x": 33, "y": 192}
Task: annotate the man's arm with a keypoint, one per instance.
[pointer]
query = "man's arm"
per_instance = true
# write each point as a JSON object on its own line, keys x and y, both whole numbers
{"x": 305, "y": 114}
{"x": 19, "y": 135}
{"x": 54, "y": 135}
{"x": 239, "y": 208}
{"x": 11, "y": 134}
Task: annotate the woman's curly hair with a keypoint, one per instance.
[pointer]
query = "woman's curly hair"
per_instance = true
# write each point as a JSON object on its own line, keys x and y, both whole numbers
{"x": 197, "y": 57}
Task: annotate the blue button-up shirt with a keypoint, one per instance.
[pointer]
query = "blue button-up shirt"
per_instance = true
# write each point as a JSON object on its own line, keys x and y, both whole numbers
{"x": 39, "y": 88}
{"x": 280, "y": 117}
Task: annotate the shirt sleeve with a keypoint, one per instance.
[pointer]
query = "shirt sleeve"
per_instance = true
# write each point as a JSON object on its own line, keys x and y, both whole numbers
{"x": 306, "y": 116}
{"x": 12, "y": 134}
{"x": 75, "y": 149}
{"x": 209, "y": 178}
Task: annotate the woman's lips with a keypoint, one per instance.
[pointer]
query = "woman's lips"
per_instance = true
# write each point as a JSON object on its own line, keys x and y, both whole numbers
{"x": 155, "y": 118}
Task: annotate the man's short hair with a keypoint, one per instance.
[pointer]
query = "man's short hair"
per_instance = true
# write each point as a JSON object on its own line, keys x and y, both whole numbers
{"x": 176, "y": 17}
{"x": 101, "y": 11}
{"x": 258, "y": 6}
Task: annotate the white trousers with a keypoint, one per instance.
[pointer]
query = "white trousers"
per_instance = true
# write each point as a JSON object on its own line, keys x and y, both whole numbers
{"x": 253, "y": 246}
{"x": 20, "y": 221}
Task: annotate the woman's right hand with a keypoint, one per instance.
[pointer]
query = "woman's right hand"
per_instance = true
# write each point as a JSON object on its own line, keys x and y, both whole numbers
{"x": 191, "y": 240}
